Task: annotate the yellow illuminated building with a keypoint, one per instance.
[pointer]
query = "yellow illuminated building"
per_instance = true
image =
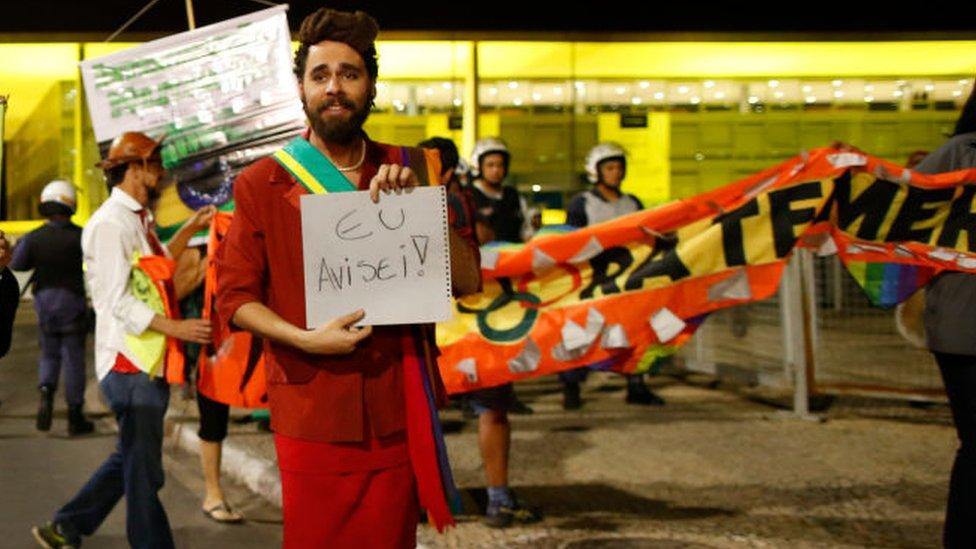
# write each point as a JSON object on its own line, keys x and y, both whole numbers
{"x": 692, "y": 115}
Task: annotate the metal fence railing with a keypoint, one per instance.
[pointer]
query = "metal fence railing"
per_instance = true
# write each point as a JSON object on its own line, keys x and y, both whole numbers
{"x": 818, "y": 334}
{"x": 858, "y": 347}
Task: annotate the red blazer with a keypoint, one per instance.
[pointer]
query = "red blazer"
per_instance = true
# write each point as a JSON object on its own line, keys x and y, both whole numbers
{"x": 347, "y": 398}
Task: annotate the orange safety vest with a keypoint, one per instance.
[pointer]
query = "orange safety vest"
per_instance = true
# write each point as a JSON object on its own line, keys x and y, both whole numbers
{"x": 151, "y": 282}
{"x": 231, "y": 368}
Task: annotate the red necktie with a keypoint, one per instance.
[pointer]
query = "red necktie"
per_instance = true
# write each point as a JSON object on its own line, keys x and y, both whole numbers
{"x": 149, "y": 227}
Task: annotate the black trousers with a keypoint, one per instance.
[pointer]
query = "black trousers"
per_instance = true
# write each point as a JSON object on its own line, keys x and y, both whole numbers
{"x": 213, "y": 419}
{"x": 959, "y": 375}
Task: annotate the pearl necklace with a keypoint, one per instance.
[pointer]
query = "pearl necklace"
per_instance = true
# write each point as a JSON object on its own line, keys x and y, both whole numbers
{"x": 355, "y": 166}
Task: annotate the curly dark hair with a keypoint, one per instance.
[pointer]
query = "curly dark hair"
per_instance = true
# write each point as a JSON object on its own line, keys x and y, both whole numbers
{"x": 358, "y": 30}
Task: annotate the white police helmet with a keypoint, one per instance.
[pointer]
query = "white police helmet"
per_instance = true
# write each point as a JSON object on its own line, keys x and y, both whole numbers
{"x": 485, "y": 146}
{"x": 60, "y": 192}
{"x": 600, "y": 153}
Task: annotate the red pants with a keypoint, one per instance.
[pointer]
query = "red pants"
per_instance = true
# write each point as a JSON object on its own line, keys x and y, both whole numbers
{"x": 336, "y": 503}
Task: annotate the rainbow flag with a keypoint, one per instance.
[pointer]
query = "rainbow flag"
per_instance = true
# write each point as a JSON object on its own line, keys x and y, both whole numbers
{"x": 888, "y": 284}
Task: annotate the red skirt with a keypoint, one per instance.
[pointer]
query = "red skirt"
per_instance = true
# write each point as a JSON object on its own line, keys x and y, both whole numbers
{"x": 347, "y": 495}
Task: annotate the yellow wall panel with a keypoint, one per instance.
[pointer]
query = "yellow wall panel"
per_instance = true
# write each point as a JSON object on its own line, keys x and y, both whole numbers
{"x": 648, "y": 153}
{"x": 552, "y": 216}
{"x": 19, "y": 228}
{"x": 438, "y": 125}
{"x": 489, "y": 125}
{"x": 773, "y": 59}
{"x": 421, "y": 60}
{"x": 92, "y": 50}
{"x": 28, "y": 71}
{"x": 525, "y": 59}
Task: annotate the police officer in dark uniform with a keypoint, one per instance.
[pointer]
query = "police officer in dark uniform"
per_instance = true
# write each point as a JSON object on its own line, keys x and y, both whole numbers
{"x": 53, "y": 251}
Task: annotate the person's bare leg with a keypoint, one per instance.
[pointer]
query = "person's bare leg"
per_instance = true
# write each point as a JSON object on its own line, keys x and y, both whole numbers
{"x": 210, "y": 455}
{"x": 494, "y": 438}
{"x": 214, "y": 503}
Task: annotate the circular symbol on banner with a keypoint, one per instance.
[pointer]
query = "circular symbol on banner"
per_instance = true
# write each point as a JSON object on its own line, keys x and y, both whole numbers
{"x": 521, "y": 329}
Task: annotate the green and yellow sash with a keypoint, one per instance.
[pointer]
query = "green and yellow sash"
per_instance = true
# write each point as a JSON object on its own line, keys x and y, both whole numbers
{"x": 312, "y": 169}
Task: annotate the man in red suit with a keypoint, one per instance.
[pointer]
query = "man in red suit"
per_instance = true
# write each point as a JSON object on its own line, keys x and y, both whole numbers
{"x": 357, "y": 444}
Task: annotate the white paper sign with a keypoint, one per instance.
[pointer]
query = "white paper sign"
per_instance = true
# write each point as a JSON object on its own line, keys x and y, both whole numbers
{"x": 390, "y": 259}
{"x": 223, "y": 83}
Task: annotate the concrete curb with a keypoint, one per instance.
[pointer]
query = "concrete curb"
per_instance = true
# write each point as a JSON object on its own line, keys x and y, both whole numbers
{"x": 257, "y": 474}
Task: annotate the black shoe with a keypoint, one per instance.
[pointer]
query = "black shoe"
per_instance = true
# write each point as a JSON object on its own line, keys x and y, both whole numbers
{"x": 77, "y": 424}
{"x": 51, "y": 537}
{"x": 639, "y": 394}
{"x": 521, "y": 408}
{"x": 571, "y": 396}
{"x": 503, "y": 516}
{"x": 46, "y": 408}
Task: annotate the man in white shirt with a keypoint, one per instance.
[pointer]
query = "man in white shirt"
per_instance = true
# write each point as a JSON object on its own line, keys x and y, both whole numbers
{"x": 119, "y": 231}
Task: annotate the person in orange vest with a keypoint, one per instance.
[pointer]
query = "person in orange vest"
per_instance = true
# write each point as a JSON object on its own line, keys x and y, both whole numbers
{"x": 133, "y": 321}
{"x": 214, "y": 414}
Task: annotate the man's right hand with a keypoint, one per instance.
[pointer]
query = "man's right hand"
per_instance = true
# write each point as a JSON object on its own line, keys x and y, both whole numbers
{"x": 194, "y": 330}
{"x": 336, "y": 337}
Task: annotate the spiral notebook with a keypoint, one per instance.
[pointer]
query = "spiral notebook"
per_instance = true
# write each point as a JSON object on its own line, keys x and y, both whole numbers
{"x": 390, "y": 259}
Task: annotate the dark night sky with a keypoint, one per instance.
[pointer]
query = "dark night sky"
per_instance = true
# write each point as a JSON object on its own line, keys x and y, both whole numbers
{"x": 460, "y": 16}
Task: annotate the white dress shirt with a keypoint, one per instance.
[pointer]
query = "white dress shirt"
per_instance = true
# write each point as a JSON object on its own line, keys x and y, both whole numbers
{"x": 109, "y": 240}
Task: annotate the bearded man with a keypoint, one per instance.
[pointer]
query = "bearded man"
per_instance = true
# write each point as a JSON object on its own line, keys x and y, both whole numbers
{"x": 358, "y": 445}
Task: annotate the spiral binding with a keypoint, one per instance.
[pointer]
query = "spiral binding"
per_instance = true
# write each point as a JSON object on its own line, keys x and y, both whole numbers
{"x": 447, "y": 239}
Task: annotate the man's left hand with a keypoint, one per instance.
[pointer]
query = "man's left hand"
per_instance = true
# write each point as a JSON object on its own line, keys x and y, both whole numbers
{"x": 201, "y": 218}
{"x": 391, "y": 178}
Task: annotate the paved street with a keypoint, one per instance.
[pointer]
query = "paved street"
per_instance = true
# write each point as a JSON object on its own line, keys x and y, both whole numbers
{"x": 43, "y": 470}
{"x": 715, "y": 468}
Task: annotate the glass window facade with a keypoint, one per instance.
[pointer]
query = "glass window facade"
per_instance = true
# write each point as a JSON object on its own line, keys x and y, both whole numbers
{"x": 686, "y": 131}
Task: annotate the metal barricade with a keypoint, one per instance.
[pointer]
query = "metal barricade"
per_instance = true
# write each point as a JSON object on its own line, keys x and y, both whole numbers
{"x": 818, "y": 334}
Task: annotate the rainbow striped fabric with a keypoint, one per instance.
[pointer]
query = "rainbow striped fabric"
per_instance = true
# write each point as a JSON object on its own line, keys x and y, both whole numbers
{"x": 888, "y": 284}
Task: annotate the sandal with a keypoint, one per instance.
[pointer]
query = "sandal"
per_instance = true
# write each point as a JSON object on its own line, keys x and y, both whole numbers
{"x": 223, "y": 513}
